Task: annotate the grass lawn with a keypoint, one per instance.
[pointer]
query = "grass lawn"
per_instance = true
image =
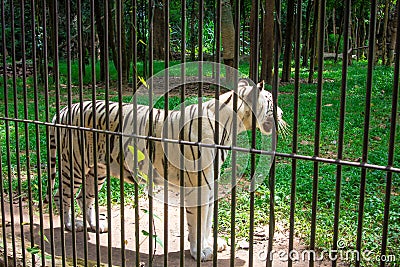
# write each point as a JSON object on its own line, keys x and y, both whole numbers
{"x": 378, "y": 147}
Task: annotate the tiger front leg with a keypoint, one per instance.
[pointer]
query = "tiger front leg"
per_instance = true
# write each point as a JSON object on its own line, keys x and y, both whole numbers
{"x": 90, "y": 201}
{"x": 206, "y": 246}
{"x": 206, "y": 251}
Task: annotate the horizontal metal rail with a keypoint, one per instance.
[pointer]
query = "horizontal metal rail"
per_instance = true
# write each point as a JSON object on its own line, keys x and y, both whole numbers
{"x": 222, "y": 147}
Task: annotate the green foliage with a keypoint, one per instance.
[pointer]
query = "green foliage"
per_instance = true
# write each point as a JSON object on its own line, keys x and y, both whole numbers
{"x": 354, "y": 123}
{"x": 378, "y": 140}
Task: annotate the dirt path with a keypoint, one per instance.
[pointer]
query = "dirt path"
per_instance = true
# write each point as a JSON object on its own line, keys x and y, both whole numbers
{"x": 241, "y": 257}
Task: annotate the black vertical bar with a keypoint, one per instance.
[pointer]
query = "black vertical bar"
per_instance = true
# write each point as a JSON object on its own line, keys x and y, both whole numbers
{"x": 135, "y": 130}
{"x": 391, "y": 149}
{"x": 36, "y": 116}
{"x": 165, "y": 126}
{"x": 295, "y": 128}
{"x": 321, "y": 24}
{"x": 48, "y": 119}
{"x": 150, "y": 142}
{"x": 36, "y": 108}
{"x": 94, "y": 125}
{"x": 275, "y": 87}
{"x": 371, "y": 59}
{"x": 181, "y": 137}
{"x": 56, "y": 82}
{"x": 55, "y": 31}
{"x": 342, "y": 115}
{"x": 2, "y": 203}
{"x": 70, "y": 136}
{"x": 16, "y": 130}
{"x": 119, "y": 20}
{"x": 81, "y": 133}
{"x": 200, "y": 131}
{"x": 26, "y": 132}
{"x": 234, "y": 136}
{"x": 107, "y": 118}
{"x": 5, "y": 87}
{"x": 216, "y": 127}
{"x": 254, "y": 77}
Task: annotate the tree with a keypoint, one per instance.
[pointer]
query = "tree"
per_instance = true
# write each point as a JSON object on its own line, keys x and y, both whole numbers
{"x": 267, "y": 52}
{"x": 287, "y": 56}
{"x": 306, "y": 31}
{"x": 313, "y": 42}
{"x": 159, "y": 30}
{"x": 384, "y": 31}
{"x": 393, "y": 33}
{"x": 192, "y": 32}
{"x": 228, "y": 37}
{"x": 100, "y": 33}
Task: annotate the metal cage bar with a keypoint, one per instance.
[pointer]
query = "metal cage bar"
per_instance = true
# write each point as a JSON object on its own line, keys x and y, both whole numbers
{"x": 342, "y": 115}
{"x": 199, "y": 241}
{"x": 391, "y": 150}
{"x": 166, "y": 128}
{"x": 367, "y": 117}
{"x": 181, "y": 137}
{"x": 234, "y": 138}
{"x": 321, "y": 34}
{"x": 295, "y": 129}
{"x": 43, "y": 18}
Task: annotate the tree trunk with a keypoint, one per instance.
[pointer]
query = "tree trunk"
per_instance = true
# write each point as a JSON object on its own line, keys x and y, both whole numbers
{"x": 254, "y": 55}
{"x": 192, "y": 33}
{"x": 159, "y": 31}
{"x": 51, "y": 32}
{"x": 124, "y": 60}
{"x": 334, "y": 22}
{"x": 384, "y": 33}
{"x": 228, "y": 37}
{"x": 287, "y": 56}
{"x": 338, "y": 40}
{"x": 306, "y": 45}
{"x": 100, "y": 33}
{"x": 111, "y": 34}
{"x": 268, "y": 42}
{"x": 393, "y": 33}
{"x": 314, "y": 38}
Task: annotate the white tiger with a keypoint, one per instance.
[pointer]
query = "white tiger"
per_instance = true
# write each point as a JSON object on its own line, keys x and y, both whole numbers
{"x": 265, "y": 122}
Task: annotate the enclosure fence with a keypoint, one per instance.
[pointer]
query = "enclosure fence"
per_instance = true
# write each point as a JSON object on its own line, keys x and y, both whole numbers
{"x": 104, "y": 61}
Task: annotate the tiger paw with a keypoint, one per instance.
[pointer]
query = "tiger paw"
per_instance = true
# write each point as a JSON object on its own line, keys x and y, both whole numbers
{"x": 78, "y": 226}
{"x": 206, "y": 254}
{"x": 103, "y": 224}
{"x": 221, "y": 243}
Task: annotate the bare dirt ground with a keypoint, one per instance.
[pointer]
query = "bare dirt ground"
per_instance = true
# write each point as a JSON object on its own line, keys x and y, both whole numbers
{"x": 241, "y": 255}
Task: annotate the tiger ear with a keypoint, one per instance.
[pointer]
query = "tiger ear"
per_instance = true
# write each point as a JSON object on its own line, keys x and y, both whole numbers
{"x": 260, "y": 85}
{"x": 243, "y": 82}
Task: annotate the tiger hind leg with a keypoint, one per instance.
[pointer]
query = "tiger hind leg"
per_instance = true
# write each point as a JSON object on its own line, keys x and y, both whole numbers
{"x": 66, "y": 198}
{"x": 221, "y": 243}
{"x": 91, "y": 197}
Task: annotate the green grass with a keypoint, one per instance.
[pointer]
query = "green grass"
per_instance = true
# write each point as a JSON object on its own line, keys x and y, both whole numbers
{"x": 355, "y": 107}
{"x": 376, "y": 180}
{"x": 378, "y": 147}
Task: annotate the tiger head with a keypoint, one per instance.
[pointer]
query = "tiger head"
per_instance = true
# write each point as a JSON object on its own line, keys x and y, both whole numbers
{"x": 263, "y": 109}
